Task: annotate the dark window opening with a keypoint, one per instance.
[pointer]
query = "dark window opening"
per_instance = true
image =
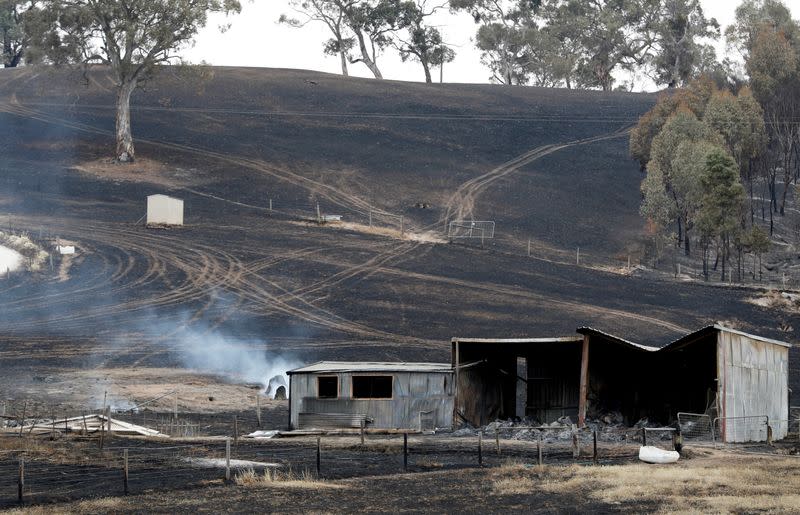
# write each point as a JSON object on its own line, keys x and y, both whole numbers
{"x": 372, "y": 387}
{"x": 328, "y": 387}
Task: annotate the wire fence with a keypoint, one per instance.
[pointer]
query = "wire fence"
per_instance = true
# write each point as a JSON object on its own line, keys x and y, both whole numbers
{"x": 38, "y": 469}
{"x": 62, "y": 464}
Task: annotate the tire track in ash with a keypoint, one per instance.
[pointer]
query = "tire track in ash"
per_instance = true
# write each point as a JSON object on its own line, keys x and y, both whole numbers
{"x": 461, "y": 204}
{"x": 207, "y": 268}
{"x": 342, "y": 199}
{"x": 345, "y": 200}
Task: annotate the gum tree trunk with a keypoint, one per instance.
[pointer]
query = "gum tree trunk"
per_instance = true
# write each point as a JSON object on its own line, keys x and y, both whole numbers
{"x": 366, "y": 58}
{"x": 343, "y": 57}
{"x": 125, "y": 150}
{"x": 427, "y": 68}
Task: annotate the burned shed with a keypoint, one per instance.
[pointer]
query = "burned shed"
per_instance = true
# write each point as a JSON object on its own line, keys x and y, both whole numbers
{"x": 332, "y": 394}
{"x": 508, "y": 378}
{"x": 737, "y": 381}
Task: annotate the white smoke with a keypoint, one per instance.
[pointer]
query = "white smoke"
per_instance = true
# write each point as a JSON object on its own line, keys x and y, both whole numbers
{"x": 213, "y": 353}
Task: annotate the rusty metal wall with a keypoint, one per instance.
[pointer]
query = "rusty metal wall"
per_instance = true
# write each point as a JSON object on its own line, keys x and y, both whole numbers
{"x": 419, "y": 399}
{"x": 753, "y": 381}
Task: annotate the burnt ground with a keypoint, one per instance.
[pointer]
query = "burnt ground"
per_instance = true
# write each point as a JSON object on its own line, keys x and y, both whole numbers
{"x": 442, "y": 476}
{"x": 266, "y": 281}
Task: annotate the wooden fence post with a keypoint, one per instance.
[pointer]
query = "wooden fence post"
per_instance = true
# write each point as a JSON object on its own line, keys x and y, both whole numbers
{"x": 22, "y": 422}
{"x": 227, "y": 459}
{"x": 21, "y": 481}
{"x": 576, "y": 450}
{"x": 125, "y": 469}
{"x": 480, "y": 448}
{"x": 644, "y": 436}
{"x": 102, "y": 433}
{"x": 539, "y": 449}
{"x": 319, "y": 445}
{"x": 594, "y": 446}
{"x": 405, "y": 452}
{"x": 108, "y": 419}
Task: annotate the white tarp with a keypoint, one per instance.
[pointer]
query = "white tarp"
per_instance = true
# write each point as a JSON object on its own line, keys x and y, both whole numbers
{"x": 10, "y": 260}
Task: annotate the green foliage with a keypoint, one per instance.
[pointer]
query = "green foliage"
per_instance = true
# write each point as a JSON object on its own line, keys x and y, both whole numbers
{"x": 614, "y": 34}
{"x": 756, "y": 240}
{"x": 755, "y": 16}
{"x": 130, "y": 36}
{"x": 678, "y": 157}
{"x": 17, "y": 19}
{"x": 680, "y": 30}
{"x": 694, "y": 98}
{"x": 723, "y": 197}
{"x": 420, "y": 42}
{"x": 739, "y": 120}
{"x": 656, "y": 206}
{"x": 331, "y": 13}
{"x": 503, "y": 35}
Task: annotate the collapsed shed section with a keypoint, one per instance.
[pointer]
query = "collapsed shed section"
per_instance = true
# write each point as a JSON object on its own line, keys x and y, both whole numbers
{"x": 737, "y": 380}
{"x": 380, "y": 395}
{"x": 508, "y": 378}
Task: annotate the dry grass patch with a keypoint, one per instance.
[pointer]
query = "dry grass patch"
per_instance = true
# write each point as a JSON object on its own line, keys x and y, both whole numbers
{"x": 103, "y": 505}
{"x": 718, "y": 485}
{"x": 141, "y": 170}
{"x": 289, "y": 479}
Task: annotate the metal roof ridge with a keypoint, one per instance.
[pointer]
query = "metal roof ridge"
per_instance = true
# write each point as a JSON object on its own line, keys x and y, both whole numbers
{"x": 721, "y": 327}
{"x": 617, "y": 338}
{"x": 516, "y": 340}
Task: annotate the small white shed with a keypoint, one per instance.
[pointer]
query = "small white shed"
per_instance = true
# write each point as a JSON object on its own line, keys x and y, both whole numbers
{"x": 164, "y": 210}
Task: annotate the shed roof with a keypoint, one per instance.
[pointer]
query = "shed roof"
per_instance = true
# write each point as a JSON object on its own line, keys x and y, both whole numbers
{"x": 161, "y": 195}
{"x": 684, "y": 340}
{"x": 371, "y": 366}
{"x": 558, "y": 339}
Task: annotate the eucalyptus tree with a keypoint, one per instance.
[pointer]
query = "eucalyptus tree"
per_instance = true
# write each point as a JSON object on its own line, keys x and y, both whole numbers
{"x": 418, "y": 41}
{"x": 502, "y": 35}
{"x": 131, "y": 37}
{"x": 17, "y": 19}
{"x": 769, "y": 40}
{"x": 682, "y": 34}
{"x": 331, "y": 13}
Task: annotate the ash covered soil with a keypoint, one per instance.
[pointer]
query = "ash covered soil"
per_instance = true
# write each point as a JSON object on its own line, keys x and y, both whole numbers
{"x": 549, "y": 165}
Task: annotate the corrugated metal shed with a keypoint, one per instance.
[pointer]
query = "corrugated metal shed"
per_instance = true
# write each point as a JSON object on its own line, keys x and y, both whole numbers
{"x": 416, "y": 396}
